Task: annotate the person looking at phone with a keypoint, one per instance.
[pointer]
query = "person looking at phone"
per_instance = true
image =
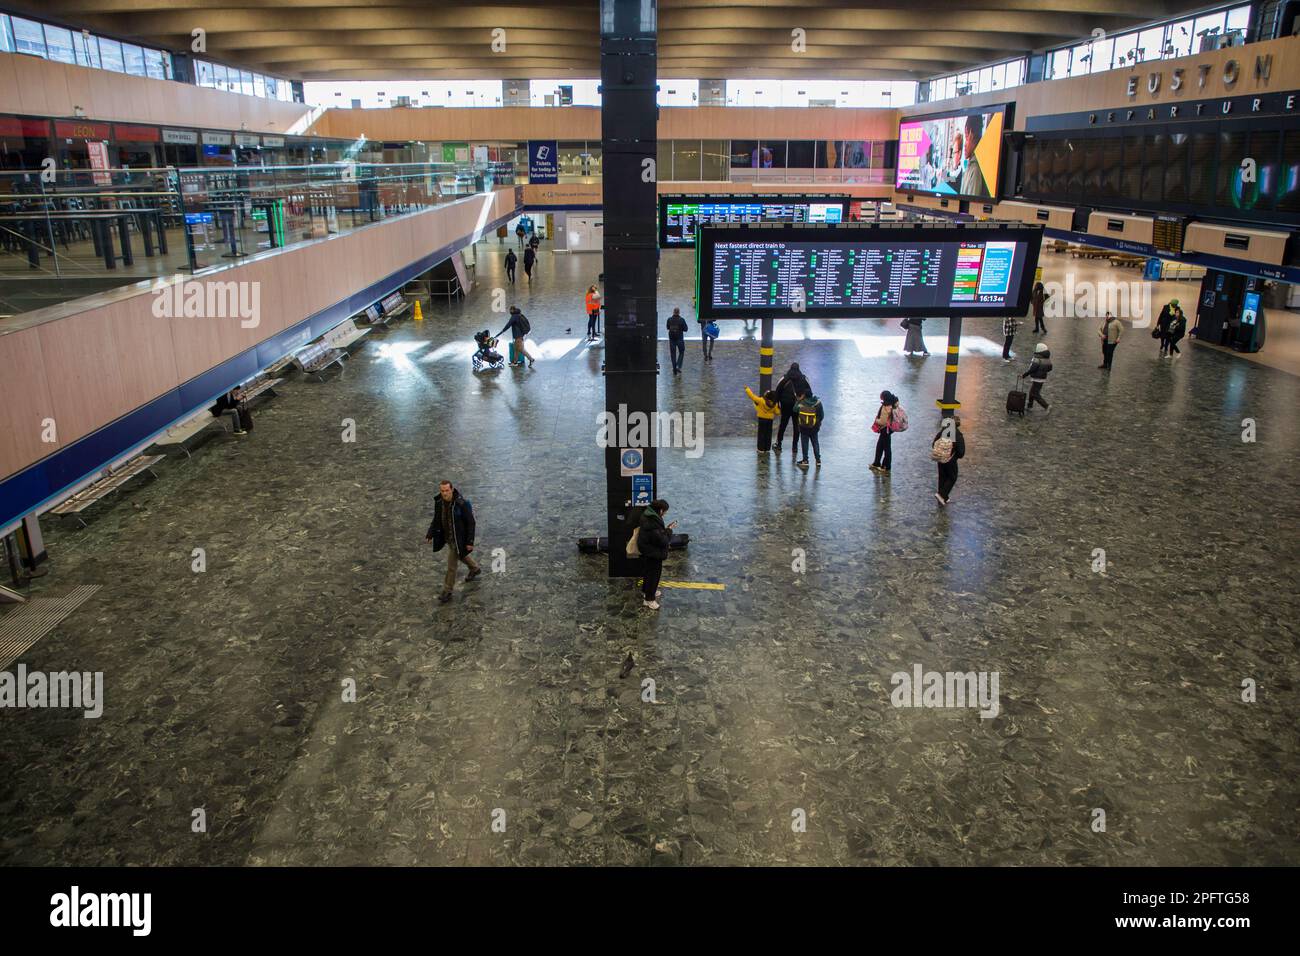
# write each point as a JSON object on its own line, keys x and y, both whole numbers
{"x": 652, "y": 540}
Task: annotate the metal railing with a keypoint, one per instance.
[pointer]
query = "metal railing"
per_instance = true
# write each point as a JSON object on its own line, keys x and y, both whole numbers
{"x": 70, "y": 233}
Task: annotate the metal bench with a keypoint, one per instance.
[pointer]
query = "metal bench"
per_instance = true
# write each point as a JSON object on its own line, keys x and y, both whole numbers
{"x": 112, "y": 480}
{"x": 179, "y": 434}
{"x": 260, "y": 384}
{"x": 317, "y": 357}
{"x": 393, "y": 306}
{"x": 346, "y": 335}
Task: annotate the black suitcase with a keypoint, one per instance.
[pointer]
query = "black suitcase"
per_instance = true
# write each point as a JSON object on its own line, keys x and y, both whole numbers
{"x": 1016, "y": 400}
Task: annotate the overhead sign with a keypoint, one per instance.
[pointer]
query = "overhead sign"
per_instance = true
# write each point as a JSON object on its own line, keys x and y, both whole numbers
{"x": 67, "y": 129}
{"x": 247, "y": 139}
{"x": 180, "y": 137}
{"x": 642, "y": 489}
{"x": 216, "y": 139}
{"x": 135, "y": 134}
{"x": 543, "y": 161}
{"x": 275, "y": 142}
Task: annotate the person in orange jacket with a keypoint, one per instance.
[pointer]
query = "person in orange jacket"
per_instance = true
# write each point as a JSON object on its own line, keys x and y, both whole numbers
{"x": 593, "y": 312}
{"x": 767, "y": 405}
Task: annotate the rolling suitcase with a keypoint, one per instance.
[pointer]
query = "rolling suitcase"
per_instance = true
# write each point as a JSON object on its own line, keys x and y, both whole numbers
{"x": 1016, "y": 399}
{"x": 516, "y": 354}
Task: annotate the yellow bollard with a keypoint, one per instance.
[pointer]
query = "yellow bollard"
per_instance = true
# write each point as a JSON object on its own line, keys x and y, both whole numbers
{"x": 419, "y": 316}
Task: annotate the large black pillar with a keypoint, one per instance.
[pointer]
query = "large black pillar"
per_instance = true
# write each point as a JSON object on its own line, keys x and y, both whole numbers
{"x": 628, "y": 119}
{"x": 948, "y": 405}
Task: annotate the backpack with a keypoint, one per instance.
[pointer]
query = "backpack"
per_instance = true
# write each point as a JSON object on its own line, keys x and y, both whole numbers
{"x": 943, "y": 450}
{"x": 807, "y": 416}
{"x": 524, "y": 327}
{"x": 898, "y": 421}
{"x": 712, "y": 330}
{"x": 632, "y": 550}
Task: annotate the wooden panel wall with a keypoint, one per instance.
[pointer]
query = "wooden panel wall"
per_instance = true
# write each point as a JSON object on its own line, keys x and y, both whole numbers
{"x": 40, "y": 87}
{"x": 90, "y": 367}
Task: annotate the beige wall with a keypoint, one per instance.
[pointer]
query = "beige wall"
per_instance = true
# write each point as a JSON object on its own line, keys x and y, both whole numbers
{"x": 1109, "y": 90}
{"x": 40, "y": 87}
{"x": 86, "y": 365}
{"x": 517, "y": 124}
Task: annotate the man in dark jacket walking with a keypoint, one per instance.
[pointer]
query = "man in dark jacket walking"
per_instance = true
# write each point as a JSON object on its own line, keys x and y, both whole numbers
{"x": 519, "y": 327}
{"x": 653, "y": 540}
{"x": 677, "y": 339}
{"x": 530, "y": 260}
{"x": 453, "y": 526}
{"x": 511, "y": 261}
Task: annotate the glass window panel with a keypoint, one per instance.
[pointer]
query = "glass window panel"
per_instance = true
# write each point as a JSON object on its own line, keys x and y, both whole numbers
{"x": 663, "y": 163}
{"x": 1153, "y": 172}
{"x": 246, "y": 82}
{"x": 1102, "y": 51}
{"x": 686, "y": 159}
{"x": 1080, "y": 60}
{"x": 1181, "y": 40}
{"x": 985, "y": 79}
{"x": 86, "y": 46}
{"x": 1112, "y": 154}
{"x": 1150, "y": 43}
{"x": 28, "y": 37}
{"x": 203, "y": 73}
{"x": 801, "y": 154}
{"x": 134, "y": 58}
{"x": 1131, "y": 180}
{"x": 1124, "y": 50}
{"x": 58, "y": 44}
{"x": 1208, "y": 26}
{"x": 744, "y": 153}
{"x": 902, "y": 93}
{"x": 259, "y": 85}
{"x": 1232, "y": 150}
{"x": 716, "y": 160}
{"x": 153, "y": 64}
{"x": 1176, "y": 168}
{"x": 1288, "y": 193}
{"x": 6, "y": 35}
{"x": 110, "y": 54}
{"x": 1200, "y": 169}
{"x": 1239, "y": 18}
{"x": 772, "y": 154}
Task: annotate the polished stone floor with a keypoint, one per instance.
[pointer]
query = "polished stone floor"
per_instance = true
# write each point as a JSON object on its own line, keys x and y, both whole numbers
{"x": 1119, "y": 691}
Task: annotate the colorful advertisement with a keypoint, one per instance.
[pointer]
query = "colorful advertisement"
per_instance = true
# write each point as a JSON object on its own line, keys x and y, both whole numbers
{"x": 954, "y": 155}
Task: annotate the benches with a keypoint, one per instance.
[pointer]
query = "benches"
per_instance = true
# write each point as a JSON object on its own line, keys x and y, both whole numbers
{"x": 392, "y": 306}
{"x": 317, "y": 357}
{"x": 260, "y": 384}
{"x": 111, "y": 480}
{"x": 179, "y": 434}
{"x": 1127, "y": 260}
{"x": 345, "y": 335}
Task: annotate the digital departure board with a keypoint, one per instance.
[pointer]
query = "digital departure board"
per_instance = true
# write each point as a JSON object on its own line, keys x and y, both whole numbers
{"x": 1167, "y": 233}
{"x": 681, "y": 216}
{"x": 866, "y": 271}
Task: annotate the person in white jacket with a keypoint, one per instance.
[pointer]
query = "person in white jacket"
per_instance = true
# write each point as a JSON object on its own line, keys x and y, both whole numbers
{"x": 1109, "y": 333}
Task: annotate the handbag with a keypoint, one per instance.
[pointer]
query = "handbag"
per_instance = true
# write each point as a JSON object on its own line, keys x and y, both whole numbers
{"x": 712, "y": 330}
{"x": 632, "y": 550}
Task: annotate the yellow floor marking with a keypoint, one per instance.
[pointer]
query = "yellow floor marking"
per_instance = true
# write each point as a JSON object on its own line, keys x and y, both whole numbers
{"x": 693, "y": 585}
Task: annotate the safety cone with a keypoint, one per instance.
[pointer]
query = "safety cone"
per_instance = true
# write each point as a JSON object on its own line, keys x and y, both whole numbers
{"x": 419, "y": 316}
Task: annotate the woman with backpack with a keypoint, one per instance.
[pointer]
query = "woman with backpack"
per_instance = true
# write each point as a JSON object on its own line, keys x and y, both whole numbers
{"x": 889, "y": 419}
{"x": 786, "y": 391}
{"x": 653, "y": 539}
{"x": 948, "y": 447}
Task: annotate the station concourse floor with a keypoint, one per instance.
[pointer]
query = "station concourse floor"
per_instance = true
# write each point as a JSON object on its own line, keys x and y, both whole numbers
{"x": 1119, "y": 692}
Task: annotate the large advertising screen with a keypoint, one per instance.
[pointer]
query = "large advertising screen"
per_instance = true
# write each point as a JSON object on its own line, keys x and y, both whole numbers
{"x": 681, "y": 216}
{"x": 952, "y": 154}
{"x": 866, "y": 271}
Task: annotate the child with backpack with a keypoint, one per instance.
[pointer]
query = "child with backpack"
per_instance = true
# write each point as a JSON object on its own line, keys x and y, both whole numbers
{"x": 948, "y": 447}
{"x": 809, "y": 414}
{"x": 889, "y": 419}
{"x": 767, "y": 406}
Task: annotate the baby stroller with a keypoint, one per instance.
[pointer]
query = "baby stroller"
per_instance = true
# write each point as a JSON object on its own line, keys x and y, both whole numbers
{"x": 486, "y": 354}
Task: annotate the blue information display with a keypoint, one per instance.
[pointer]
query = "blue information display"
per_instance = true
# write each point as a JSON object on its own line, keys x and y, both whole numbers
{"x": 681, "y": 217}
{"x": 543, "y": 162}
{"x": 642, "y": 489}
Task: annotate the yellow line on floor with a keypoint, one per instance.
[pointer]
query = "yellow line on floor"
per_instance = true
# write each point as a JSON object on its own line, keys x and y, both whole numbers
{"x": 693, "y": 585}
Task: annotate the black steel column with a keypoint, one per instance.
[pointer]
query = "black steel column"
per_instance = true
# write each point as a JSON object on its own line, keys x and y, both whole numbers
{"x": 765, "y": 356}
{"x": 948, "y": 405}
{"x": 628, "y": 120}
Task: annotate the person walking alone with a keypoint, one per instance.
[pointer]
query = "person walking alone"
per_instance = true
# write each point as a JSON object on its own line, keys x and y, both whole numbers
{"x": 1037, "y": 300}
{"x": 1037, "y": 372}
{"x": 914, "y": 342}
{"x": 530, "y": 260}
{"x": 511, "y": 261}
{"x": 677, "y": 340}
{"x": 653, "y": 539}
{"x": 592, "y": 303}
{"x": 706, "y": 340}
{"x": 787, "y": 391}
{"x": 889, "y": 419}
{"x": 766, "y": 405}
{"x": 453, "y": 527}
{"x": 948, "y": 447}
{"x": 1009, "y": 327}
{"x": 1109, "y": 333}
{"x": 810, "y": 412}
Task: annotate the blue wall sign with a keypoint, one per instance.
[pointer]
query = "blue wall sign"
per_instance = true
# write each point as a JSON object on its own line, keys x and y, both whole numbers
{"x": 543, "y": 162}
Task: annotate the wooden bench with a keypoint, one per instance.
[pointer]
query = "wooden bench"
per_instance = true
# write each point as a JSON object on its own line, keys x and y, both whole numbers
{"x": 346, "y": 335}
{"x": 1127, "y": 260}
{"x": 111, "y": 480}
{"x": 317, "y": 357}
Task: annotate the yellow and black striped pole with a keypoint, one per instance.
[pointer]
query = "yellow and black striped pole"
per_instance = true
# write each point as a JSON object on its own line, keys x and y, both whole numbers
{"x": 948, "y": 405}
{"x": 765, "y": 353}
